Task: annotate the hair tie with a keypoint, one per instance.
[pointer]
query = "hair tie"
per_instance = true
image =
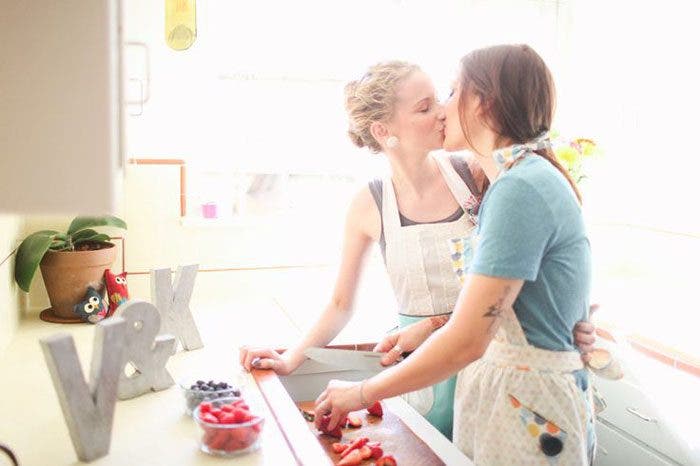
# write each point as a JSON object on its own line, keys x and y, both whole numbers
{"x": 507, "y": 156}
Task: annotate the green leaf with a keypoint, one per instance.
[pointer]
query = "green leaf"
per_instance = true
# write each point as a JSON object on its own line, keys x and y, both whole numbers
{"x": 81, "y": 223}
{"x": 29, "y": 254}
{"x": 96, "y": 238}
{"x": 82, "y": 234}
{"x": 59, "y": 245}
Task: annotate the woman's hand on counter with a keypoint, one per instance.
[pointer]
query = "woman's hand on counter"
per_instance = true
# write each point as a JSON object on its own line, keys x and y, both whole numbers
{"x": 337, "y": 400}
{"x": 264, "y": 358}
{"x": 404, "y": 340}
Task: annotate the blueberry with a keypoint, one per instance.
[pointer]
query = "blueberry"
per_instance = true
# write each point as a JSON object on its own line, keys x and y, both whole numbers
{"x": 236, "y": 393}
{"x": 200, "y": 382}
{"x": 210, "y": 383}
{"x": 193, "y": 387}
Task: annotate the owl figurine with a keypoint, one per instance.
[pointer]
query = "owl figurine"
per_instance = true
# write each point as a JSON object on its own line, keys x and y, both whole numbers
{"x": 117, "y": 290}
{"x": 93, "y": 308}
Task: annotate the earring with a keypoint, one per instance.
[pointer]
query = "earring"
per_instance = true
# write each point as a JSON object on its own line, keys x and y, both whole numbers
{"x": 392, "y": 142}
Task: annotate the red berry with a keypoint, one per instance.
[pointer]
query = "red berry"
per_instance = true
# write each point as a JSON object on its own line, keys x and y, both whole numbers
{"x": 352, "y": 459}
{"x": 337, "y": 432}
{"x": 205, "y": 407}
{"x": 387, "y": 460}
{"x": 377, "y": 451}
{"x": 376, "y": 409}
{"x": 227, "y": 418}
{"x": 366, "y": 452}
{"x": 210, "y": 418}
{"x": 241, "y": 415}
{"x": 354, "y": 421}
{"x": 339, "y": 447}
{"x": 358, "y": 443}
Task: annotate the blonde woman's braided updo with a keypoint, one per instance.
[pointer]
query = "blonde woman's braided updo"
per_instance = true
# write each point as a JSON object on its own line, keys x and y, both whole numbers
{"x": 372, "y": 98}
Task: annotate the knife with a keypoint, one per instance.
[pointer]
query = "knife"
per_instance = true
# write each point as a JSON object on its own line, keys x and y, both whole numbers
{"x": 347, "y": 359}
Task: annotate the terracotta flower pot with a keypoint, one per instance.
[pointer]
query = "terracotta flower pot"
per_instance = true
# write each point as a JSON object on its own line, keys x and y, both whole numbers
{"x": 67, "y": 275}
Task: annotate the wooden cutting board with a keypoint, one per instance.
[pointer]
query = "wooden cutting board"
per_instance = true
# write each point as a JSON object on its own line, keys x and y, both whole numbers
{"x": 396, "y": 438}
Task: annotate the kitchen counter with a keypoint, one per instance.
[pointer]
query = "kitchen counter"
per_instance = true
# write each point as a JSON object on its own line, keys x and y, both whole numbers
{"x": 152, "y": 429}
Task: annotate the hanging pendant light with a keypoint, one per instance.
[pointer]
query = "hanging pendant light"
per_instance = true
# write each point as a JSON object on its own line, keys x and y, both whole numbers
{"x": 180, "y": 23}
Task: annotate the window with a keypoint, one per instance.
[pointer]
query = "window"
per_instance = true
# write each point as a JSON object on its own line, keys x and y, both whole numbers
{"x": 255, "y": 107}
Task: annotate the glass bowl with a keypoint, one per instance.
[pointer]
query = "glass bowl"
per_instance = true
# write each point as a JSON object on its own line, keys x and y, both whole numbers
{"x": 227, "y": 428}
{"x": 198, "y": 391}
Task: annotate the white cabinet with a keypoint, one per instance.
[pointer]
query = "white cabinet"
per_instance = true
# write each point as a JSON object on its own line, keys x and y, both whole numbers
{"x": 616, "y": 448}
{"x": 60, "y": 106}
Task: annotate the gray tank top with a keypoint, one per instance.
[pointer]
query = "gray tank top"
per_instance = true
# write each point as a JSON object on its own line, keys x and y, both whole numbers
{"x": 461, "y": 167}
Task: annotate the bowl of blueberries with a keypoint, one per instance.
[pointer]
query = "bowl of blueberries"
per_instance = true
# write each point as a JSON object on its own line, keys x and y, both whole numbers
{"x": 199, "y": 391}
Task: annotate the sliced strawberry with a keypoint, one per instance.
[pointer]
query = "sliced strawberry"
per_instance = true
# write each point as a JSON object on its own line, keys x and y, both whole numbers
{"x": 227, "y": 418}
{"x": 205, "y": 407}
{"x": 227, "y": 408}
{"x": 358, "y": 443}
{"x": 241, "y": 415}
{"x": 387, "y": 460}
{"x": 366, "y": 452}
{"x": 353, "y": 421}
{"x": 219, "y": 439}
{"x": 339, "y": 447}
{"x": 353, "y": 459}
{"x": 376, "y": 451}
{"x": 210, "y": 418}
{"x": 337, "y": 432}
{"x": 215, "y": 412}
{"x": 376, "y": 409}
{"x": 373, "y": 444}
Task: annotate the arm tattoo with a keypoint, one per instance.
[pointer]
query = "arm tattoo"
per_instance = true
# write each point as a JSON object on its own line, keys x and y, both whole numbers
{"x": 495, "y": 312}
{"x": 439, "y": 321}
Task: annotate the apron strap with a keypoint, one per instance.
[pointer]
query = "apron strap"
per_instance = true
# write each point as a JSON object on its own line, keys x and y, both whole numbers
{"x": 390, "y": 209}
{"x": 457, "y": 186}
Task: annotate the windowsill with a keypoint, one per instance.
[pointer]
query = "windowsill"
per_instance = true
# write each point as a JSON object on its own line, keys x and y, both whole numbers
{"x": 274, "y": 219}
{"x": 652, "y": 349}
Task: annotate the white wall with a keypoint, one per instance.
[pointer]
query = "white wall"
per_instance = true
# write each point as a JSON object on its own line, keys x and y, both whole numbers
{"x": 10, "y": 226}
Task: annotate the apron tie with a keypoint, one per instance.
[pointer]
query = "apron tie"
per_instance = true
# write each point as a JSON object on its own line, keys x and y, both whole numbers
{"x": 532, "y": 358}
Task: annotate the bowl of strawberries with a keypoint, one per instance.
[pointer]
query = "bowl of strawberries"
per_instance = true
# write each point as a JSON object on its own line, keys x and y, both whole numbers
{"x": 228, "y": 426}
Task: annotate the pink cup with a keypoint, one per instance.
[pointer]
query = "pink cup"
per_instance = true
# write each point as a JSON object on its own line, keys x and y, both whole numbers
{"x": 209, "y": 210}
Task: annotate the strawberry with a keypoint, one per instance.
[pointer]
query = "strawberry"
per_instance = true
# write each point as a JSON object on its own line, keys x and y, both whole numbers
{"x": 376, "y": 409}
{"x": 353, "y": 421}
{"x": 215, "y": 412}
{"x": 387, "y": 460}
{"x": 366, "y": 452}
{"x": 218, "y": 439}
{"x": 227, "y": 408}
{"x": 227, "y": 418}
{"x": 339, "y": 447}
{"x": 373, "y": 444}
{"x": 358, "y": 443}
{"x": 210, "y": 418}
{"x": 205, "y": 407}
{"x": 241, "y": 415}
{"x": 376, "y": 451}
{"x": 337, "y": 432}
{"x": 353, "y": 459}
{"x": 241, "y": 438}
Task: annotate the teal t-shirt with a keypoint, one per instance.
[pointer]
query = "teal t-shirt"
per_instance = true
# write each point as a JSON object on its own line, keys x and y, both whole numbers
{"x": 531, "y": 228}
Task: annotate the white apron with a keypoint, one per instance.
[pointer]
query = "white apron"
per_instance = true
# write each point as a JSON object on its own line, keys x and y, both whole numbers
{"x": 425, "y": 282}
{"x": 520, "y": 405}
